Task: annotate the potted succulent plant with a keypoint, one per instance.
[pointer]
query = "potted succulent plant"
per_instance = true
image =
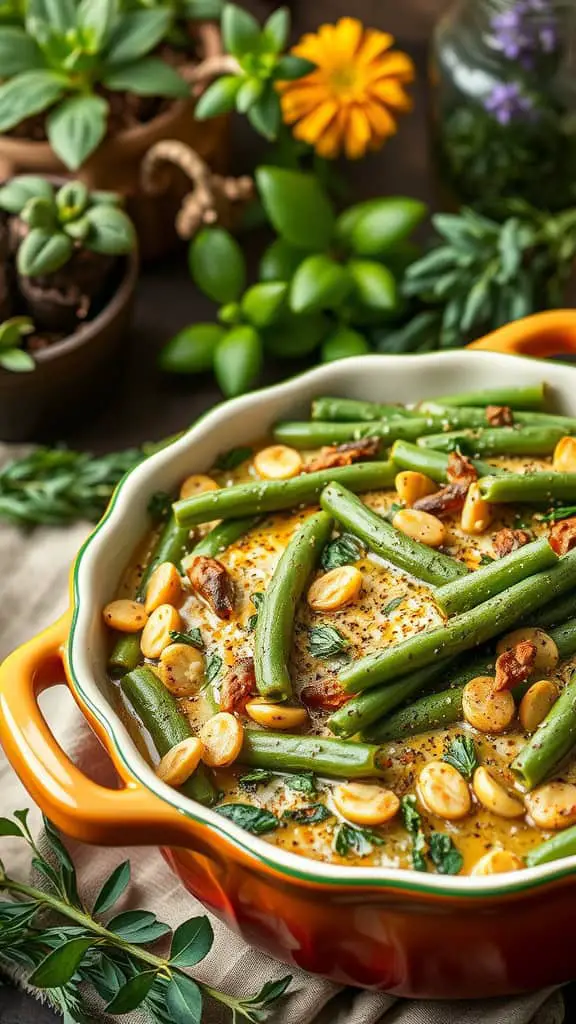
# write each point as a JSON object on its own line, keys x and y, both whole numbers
{"x": 89, "y": 87}
{"x": 68, "y": 258}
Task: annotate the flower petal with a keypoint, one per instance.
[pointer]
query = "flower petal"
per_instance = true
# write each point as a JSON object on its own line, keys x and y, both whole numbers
{"x": 357, "y": 133}
{"x": 397, "y": 65}
{"x": 381, "y": 121}
{"x": 392, "y": 94}
{"x": 373, "y": 44}
{"x": 348, "y": 34}
{"x": 330, "y": 143}
{"x": 311, "y": 127}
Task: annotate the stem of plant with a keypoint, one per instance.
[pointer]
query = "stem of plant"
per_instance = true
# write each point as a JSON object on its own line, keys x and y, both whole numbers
{"x": 65, "y": 909}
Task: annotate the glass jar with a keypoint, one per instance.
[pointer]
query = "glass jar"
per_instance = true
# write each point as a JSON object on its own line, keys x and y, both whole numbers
{"x": 503, "y": 76}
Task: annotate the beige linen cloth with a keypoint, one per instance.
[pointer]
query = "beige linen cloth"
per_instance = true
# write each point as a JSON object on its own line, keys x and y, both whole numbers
{"x": 33, "y": 585}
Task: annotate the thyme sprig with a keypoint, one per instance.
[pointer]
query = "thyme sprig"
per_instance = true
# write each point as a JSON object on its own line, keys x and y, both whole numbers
{"x": 78, "y": 948}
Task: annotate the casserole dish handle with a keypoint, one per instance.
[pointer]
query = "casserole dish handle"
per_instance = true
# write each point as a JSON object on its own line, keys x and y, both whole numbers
{"x": 545, "y": 335}
{"x": 80, "y": 807}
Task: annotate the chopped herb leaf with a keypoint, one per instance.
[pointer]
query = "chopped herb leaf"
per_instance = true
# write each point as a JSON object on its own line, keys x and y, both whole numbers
{"x": 342, "y": 551}
{"x": 159, "y": 506}
{"x": 445, "y": 857}
{"x": 394, "y": 508}
{"x": 257, "y": 777}
{"x": 193, "y": 637}
{"x": 564, "y": 512}
{"x": 311, "y": 815}
{"x": 305, "y": 783}
{"x": 233, "y": 458}
{"x": 359, "y": 841}
{"x": 486, "y": 559}
{"x": 392, "y": 605}
{"x": 326, "y": 642}
{"x": 257, "y": 600}
{"x": 213, "y": 666}
{"x": 412, "y": 824}
{"x": 253, "y": 819}
{"x": 461, "y": 754}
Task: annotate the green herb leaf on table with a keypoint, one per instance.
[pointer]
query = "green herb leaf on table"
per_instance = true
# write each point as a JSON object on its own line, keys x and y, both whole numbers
{"x": 344, "y": 550}
{"x": 304, "y": 783}
{"x": 193, "y": 637}
{"x": 251, "y": 780}
{"x": 413, "y": 825}
{"x": 356, "y": 841}
{"x": 114, "y": 886}
{"x": 312, "y": 815}
{"x": 233, "y": 458}
{"x": 445, "y": 856}
{"x": 191, "y": 942}
{"x": 326, "y": 642}
{"x": 183, "y": 1000}
{"x": 461, "y": 754}
{"x": 212, "y": 667}
{"x": 252, "y": 819}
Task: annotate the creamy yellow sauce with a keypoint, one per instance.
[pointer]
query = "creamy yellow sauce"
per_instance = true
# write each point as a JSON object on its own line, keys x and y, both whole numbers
{"x": 367, "y": 627}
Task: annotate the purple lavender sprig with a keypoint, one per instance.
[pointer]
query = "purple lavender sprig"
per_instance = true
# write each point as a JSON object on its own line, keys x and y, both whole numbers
{"x": 507, "y": 101}
{"x": 527, "y": 30}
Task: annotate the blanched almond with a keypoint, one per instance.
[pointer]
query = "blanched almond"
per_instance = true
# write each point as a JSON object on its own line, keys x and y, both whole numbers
{"x": 411, "y": 486}
{"x": 335, "y": 589}
{"x": 443, "y": 791}
{"x": 164, "y": 587}
{"x": 180, "y": 762}
{"x": 553, "y": 805}
{"x": 564, "y": 458}
{"x": 365, "y": 804}
{"x": 477, "y": 512}
{"x": 278, "y": 462}
{"x": 198, "y": 483}
{"x": 547, "y": 656}
{"x": 494, "y": 796}
{"x": 496, "y": 862}
{"x": 156, "y": 633}
{"x": 420, "y": 526}
{"x": 222, "y": 737}
{"x": 536, "y": 704}
{"x": 276, "y": 716}
{"x": 181, "y": 669}
{"x": 486, "y": 709}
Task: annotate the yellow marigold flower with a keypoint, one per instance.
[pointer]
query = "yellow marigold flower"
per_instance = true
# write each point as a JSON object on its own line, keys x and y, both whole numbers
{"x": 351, "y": 100}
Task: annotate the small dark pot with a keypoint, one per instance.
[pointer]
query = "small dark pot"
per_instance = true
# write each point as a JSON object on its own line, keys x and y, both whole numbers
{"x": 73, "y": 374}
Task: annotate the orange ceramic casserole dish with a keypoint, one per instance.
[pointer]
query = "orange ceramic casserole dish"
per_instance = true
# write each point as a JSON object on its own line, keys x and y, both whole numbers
{"x": 411, "y": 934}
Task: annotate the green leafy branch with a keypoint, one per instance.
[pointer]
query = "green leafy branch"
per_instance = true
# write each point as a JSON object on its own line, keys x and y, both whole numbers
{"x": 64, "y": 51}
{"x": 322, "y": 281}
{"x": 12, "y": 356}
{"x": 257, "y": 65}
{"x": 112, "y": 958}
{"x": 59, "y": 222}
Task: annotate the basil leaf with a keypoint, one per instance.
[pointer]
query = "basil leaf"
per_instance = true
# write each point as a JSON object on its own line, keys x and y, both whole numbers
{"x": 213, "y": 666}
{"x": 311, "y": 815}
{"x": 326, "y": 642}
{"x": 412, "y": 824}
{"x": 342, "y": 551}
{"x": 461, "y": 754}
{"x": 446, "y": 857}
{"x": 193, "y": 638}
{"x": 253, "y": 779}
{"x": 257, "y": 600}
{"x": 486, "y": 560}
{"x": 358, "y": 841}
{"x": 232, "y": 459}
{"x": 253, "y": 819}
{"x": 305, "y": 783}
{"x": 392, "y": 605}
{"x": 394, "y": 508}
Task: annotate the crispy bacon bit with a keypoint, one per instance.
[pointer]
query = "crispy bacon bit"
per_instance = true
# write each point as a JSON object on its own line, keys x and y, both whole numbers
{"x": 499, "y": 415}
{"x": 445, "y": 501}
{"x": 325, "y": 695}
{"x": 562, "y": 536}
{"x": 345, "y": 454}
{"x": 507, "y": 540}
{"x": 238, "y": 686}
{"x": 210, "y": 579}
{"x": 514, "y": 666}
{"x": 460, "y": 470}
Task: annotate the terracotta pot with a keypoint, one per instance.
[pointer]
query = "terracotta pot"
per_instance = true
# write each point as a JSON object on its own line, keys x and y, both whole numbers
{"x": 116, "y": 163}
{"x": 413, "y": 934}
{"x": 71, "y": 374}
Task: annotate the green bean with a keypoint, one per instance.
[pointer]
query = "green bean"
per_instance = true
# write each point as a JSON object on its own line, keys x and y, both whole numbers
{"x": 365, "y": 709}
{"x": 470, "y": 416}
{"x": 564, "y": 636}
{"x": 306, "y": 434}
{"x": 159, "y": 713}
{"x": 552, "y": 741}
{"x": 555, "y": 612}
{"x": 274, "y": 495}
{"x": 467, "y": 592}
{"x": 497, "y": 440}
{"x": 561, "y": 845}
{"x": 432, "y": 463}
{"x": 276, "y": 615}
{"x": 388, "y": 542}
{"x": 169, "y": 547}
{"x": 351, "y": 409}
{"x": 529, "y": 487}
{"x": 334, "y": 758}
{"x": 463, "y": 632}
{"x": 532, "y": 396}
{"x": 221, "y": 537}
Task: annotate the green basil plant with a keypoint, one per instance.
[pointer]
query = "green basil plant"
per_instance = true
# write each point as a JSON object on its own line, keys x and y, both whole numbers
{"x": 323, "y": 282}
{"x": 12, "y": 333}
{"x": 56, "y": 60}
{"x": 58, "y": 222}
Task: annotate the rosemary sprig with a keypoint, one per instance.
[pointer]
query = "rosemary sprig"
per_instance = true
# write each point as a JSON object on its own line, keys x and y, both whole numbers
{"x": 112, "y": 958}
